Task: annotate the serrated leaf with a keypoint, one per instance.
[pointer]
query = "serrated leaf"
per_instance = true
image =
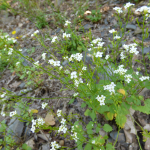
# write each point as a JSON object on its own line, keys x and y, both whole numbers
{"x": 97, "y": 129}
{"x": 83, "y": 105}
{"x": 107, "y": 128}
{"x": 71, "y": 101}
{"x": 103, "y": 109}
{"x": 121, "y": 120}
{"x": 89, "y": 125}
{"x": 88, "y": 147}
{"x": 110, "y": 116}
{"x": 87, "y": 112}
{"x": 89, "y": 131}
{"x": 93, "y": 115}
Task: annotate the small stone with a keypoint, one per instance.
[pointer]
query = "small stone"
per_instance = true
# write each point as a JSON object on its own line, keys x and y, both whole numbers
{"x": 87, "y": 27}
{"x": 121, "y": 136}
{"x": 61, "y": 142}
{"x": 131, "y": 26}
{"x": 146, "y": 50}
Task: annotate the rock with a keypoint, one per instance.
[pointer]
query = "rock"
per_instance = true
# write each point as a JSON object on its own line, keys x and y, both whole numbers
{"x": 138, "y": 31}
{"x": 121, "y": 136}
{"x": 61, "y": 143}
{"x": 87, "y": 27}
{"x": 45, "y": 137}
{"x": 22, "y": 85}
{"x": 31, "y": 143}
{"x": 147, "y": 144}
{"x": 45, "y": 146}
{"x": 146, "y": 50}
{"x": 129, "y": 136}
{"x": 65, "y": 63}
{"x": 131, "y": 26}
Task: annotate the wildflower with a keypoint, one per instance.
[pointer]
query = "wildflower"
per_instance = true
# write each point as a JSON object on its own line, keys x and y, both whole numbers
{"x": 54, "y": 39}
{"x": 137, "y": 73}
{"x": 73, "y": 74}
{"x": 144, "y": 9}
{"x": 59, "y": 112}
{"x": 62, "y": 128}
{"x": 54, "y": 145}
{"x": 13, "y": 113}
{"x": 66, "y": 35}
{"x": 43, "y": 56}
{"x": 118, "y": 9}
{"x": 35, "y": 33}
{"x": 74, "y": 136}
{"x": 56, "y": 63}
{"x": 117, "y": 37}
{"x": 13, "y": 32}
{"x": 67, "y": 22}
{"x": 67, "y": 71}
{"x": 128, "y": 78}
{"x": 101, "y": 99}
{"x": 93, "y": 142}
{"x": 144, "y": 78}
{"x": 128, "y": 5}
{"x": 33, "y": 122}
{"x": 20, "y": 50}
{"x": 75, "y": 94}
{"x": 112, "y": 31}
{"x": 122, "y": 55}
{"x": 40, "y": 121}
{"x": 98, "y": 54}
{"x": 100, "y": 44}
{"x": 66, "y": 57}
{"x": 3, "y": 95}
{"x": 44, "y": 105}
{"x": 33, "y": 129}
{"x": 107, "y": 56}
{"x": 84, "y": 68}
{"x": 17, "y": 63}
{"x": 60, "y": 67}
{"x": 95, "y": 41}
{"x": 121, "y": 71}
{"x": 36, "y": 63}
{"x": 63, "y": 121}
{"x": 51, "y": 61}
{"x": 3, "y": 114}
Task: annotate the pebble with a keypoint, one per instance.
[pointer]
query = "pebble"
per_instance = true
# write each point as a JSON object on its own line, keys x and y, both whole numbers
{"x": 131, "y": 26}
{"x": 121, "y": 136}
{"x": 61, "y": 143}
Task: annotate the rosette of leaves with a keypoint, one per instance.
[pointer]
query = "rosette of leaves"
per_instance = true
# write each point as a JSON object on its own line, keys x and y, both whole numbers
{"x": 95, "y": 16}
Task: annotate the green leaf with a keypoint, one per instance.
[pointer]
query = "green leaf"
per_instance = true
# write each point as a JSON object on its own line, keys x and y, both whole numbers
{"x": 89, "y": 125}
{"x": 83, "y": 105}
{"x": 93, "y": 115}
{"x": 87, "y": 112}
{"x": 88, "y": 147}
{"x": 107, "y": 128}
{"x": 71, "y": 101}
{"x": 109, "y": 147}
{"x": 89, "y": 131}
{"x": 103, "y": 109}
{"x": 97, "y": 129}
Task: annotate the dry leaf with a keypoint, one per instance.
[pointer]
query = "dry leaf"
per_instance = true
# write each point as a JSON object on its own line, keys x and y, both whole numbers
{"x": 49, "y": 119}
{"x": 122, "y": 91}
{"x": 34, "y": 111}
{"x": 105, "y": 8}
{"x": 87, "y": 12}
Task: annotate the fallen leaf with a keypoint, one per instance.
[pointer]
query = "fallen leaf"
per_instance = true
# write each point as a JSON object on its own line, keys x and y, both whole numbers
{"x": 49, "y": 119}
{"x": 122, "y": 91}
{"x": 34, "y": 111}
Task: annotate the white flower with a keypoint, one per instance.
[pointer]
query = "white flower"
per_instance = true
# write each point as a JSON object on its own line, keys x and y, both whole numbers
{"x": 54, "y": 145}
{"x": 44, "y": 105}
{"x": 56, "y": 63}
{"x": 128, "y": 80}
{"x": 54, "y": 39}
{"x": 33, "y": 122}
{"x": 67, "y": 71}
{"x": 118, "y": 9}
{"x": 73, "y": 74}
{"x": 95, "y": 41}
{"x": 107, "y": 56}
{"x": 59, "y": 112}
{"x": 40, "y": 121}
{"x": 100, "y": 44}
{"x": 43, "y": 56}
{"x": 35, "y": 33}
{"x": 62, "y": 128}
{"x": 36, "y": 63}
{"x": 67, "y": 22}
{"x": 117, "y": 37}
{"x": 66, "y": 57}
{"x": 144, "y": 9}
{"x": 13, "y": 113}
{"x": 3, "y": 114}
{"x": 60, "y": 67}
{"x": 84, "y": 68}
{"x": 20, "y": 50}
{"x": 93, "y": 142}
{"x": 75, "y": 94}
{"x": 63, "y": 121}
{"x": 137, "y": 73}
{"x": 112, "y": 31}
{"x": 33, "y": 129}
{"x": 98, "y": 54}
{"x": 128, "y": 5}
{"x": 101, "y": 99}
{"x": 122, "y": 55}
{"x": 66, "y": 35}
{"x": 3, "y": 95}
{"x": 144, "y": 78}
{"x": 51, "y": 61}
{"x": 17, "y": 63}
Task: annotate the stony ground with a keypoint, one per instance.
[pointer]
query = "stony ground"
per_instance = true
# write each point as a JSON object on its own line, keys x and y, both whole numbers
{"x": 50, "y": 88}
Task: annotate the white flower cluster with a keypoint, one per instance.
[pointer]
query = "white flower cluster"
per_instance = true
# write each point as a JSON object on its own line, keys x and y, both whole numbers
{"x": 146, "y": 10}
{"x": 131, "y": 48}
{"x": 10, "y": 51}
{"x": 54, "y": 39}
{"x": 122, "y": 55}
{"x": 118, "y": 9}
{"x": 128, "y": 78}
{"x": 128, "y": 5}
{"x": 107, "y": 56}
{"x": 75, "y": 94}
{"x": 73, "y": 74}
{"x": 66, "y": 35}
{"x": 37, "y": 122}
{"x": 112, "y": 31}
{"x": 77, "y": 56}
{"x": 63, "y": 126}
{"x": 110, "y": 87}
{"x": 59, "y": 112}
{"x": 77, "y": 82}
{"x": 17, "y": 63}
{"x": 74, "y": 134}
{"x": 144, "y": 78}
{"x": 98, "y": 54}
{"x": 2, "y": 113}
{"x": 43, "y": 56}
{"x": 36, "y": 63}
{"x": 7, "y": 38}
{"x": 13, "y": 113}
{"x": 35, "y": 33}
{"x": 67, "y": 22}
{"x": 121, "y": 71}
{"x": 117, "y": 37}
{"x": 95, "y": 41}
{"x": 84, "y": 68}
{"x": 55, "y": 63}
{"x": 101, "y": 99}
{"x": 54, "y": 145}
{"x": 3, "y": 95}
{"x": 44, "y": 105}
